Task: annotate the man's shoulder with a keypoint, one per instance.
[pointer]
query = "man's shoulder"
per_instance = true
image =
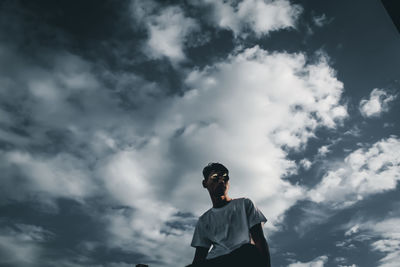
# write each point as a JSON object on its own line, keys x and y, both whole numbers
{"x": 244, "y": 200}
{"x": 205, "y": 214}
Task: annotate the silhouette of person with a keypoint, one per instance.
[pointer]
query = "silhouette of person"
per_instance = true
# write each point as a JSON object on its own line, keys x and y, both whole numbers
{"x": 232, "y": 227}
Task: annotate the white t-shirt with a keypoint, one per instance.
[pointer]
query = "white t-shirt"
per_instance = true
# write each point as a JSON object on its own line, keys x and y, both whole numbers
{"x": 226, "y": 228}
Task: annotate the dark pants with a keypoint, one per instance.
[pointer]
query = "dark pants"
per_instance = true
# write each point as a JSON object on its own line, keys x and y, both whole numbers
{"x": 245, "y": 256}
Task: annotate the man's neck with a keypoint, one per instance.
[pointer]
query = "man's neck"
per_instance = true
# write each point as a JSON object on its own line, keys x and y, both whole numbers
{"x": 220, "y": 201}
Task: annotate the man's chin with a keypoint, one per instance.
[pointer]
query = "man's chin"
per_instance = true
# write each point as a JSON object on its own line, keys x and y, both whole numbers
{"x": 220, "y": 191}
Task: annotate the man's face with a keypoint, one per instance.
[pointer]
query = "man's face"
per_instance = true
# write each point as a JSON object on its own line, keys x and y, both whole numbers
{"x": 217, "y": 183}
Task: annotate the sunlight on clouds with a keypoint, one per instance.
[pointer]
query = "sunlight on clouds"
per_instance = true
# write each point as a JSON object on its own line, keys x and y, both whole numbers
{"x": 235, "y": 113}
{"x": 251, "y": 105}
{"x": 252, "y": 16}
{"x": 323, "y": 150}
{"x": 352, "y": 230}
{"x": 134, "y": 179}
{"x": 369, "y": 170}
{"x": 168, "y": 28}
{"x": 377, "y": 103}
{"x": 141, "y": 231}
{"x": 305, "y": 163}
{"x": 317, "y": 262}
{"x": 343, "y": 262}
{"x": 246, "y": 112}
{"x": 105, "y": 128}
{"x": 364, "y": 172}
{"x": 167, "y": 33}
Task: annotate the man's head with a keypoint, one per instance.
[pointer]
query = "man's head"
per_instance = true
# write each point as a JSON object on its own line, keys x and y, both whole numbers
{"x": 216, "y": 179}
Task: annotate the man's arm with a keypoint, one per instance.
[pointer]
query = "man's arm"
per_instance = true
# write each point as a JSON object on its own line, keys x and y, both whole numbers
{"x": 257, "y": 235}
{"x": 200, "y": 255}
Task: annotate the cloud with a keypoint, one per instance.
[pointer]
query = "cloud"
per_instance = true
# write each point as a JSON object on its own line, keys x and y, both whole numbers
{"x": 386, "y": 238}
{"x": 342, "y": 262}
{"x": 20, "y": 244}
{"x": 162, "y": 175}
{"x": 133, "y": 146}
{"x": 323, "y": 150}
{"x": 305, "y": 163}
{"x": 364, "y": 172}
{"x": 68, "y": 126}
{"x": 258, "y": 17}
{"x": 168, "y": 29}
{"x": 153, "y": 231}
{"x": 55, "y": 132}
{"x": 352, "y": 230}
{"x": 389, "y": 230}
{"x": 321, "y": 20}
{"x": 354, "y": 236}
{"x": 311, "y": 214}
{"x": 245, "y": 104}
{"x": 46, "y": 178}
{"x": 116, "y": 142}
{"x": 317, "y": 262}
{"x": 377, "y": 103}
{"x": 354, "y": 131}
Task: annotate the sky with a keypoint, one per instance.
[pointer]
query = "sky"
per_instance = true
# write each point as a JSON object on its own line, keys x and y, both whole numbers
{"x": 109, "y": 110}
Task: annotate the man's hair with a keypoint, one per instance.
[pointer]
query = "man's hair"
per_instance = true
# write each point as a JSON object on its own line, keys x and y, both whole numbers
{"x": 213, "y": 167}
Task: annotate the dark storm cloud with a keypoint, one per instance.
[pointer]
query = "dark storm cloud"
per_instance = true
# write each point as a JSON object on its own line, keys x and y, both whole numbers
{"x": 78, "y": 27}
{"x": 105, "y": 28}
{"x": 75, "y": 233}
{"x": 46, "y": 88}
{"x": 184, "y": 221}
{"x": 88, "y": 29}
{"x": 324, "y": 232}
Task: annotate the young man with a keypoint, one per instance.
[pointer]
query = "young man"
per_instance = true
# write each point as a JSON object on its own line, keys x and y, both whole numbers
{"x": 233, "y": 227}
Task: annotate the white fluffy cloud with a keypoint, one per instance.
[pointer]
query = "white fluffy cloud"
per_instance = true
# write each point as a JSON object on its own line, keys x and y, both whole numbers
{"x": 147, "y": 231}
{"x": 245, "y": 112}
{"x": 376, "y": 104}
{"x": 167, "y": 27}
{"x": 323, "y": 150}
{"x": 305, "y": 163}
{"x": 252, "y": 16}
{"x": 364, "y": 172}
{"x": 317, "y": 262}
{"x": 253, "y": 105}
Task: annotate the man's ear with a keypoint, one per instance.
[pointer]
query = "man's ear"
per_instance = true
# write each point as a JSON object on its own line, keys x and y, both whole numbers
{"x": 204, "y": 183}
